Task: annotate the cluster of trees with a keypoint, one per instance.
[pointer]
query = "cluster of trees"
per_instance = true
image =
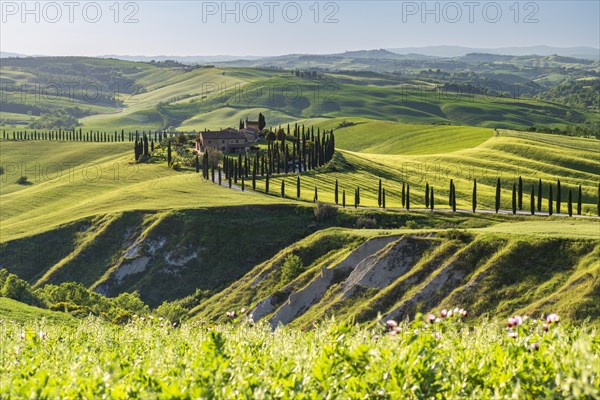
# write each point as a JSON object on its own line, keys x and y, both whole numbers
{"x": 142, "y": 147}
{"x": 77, "y": 135}
{"x": 299, "y": 150}
{"x": 79, "y": 301}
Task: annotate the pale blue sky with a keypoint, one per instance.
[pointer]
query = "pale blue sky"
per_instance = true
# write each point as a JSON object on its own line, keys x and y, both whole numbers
{"x": 197, "y": 28}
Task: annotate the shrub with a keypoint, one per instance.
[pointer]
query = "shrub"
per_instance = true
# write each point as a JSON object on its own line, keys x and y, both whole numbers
{"x": 171, "y": 312}
{"x": 292, "y": 267}
{"x": 176, "y": 166}
{"x": 366, "y": 223}
{"x": 22, "y": 180}
{"x": 411, "y": 224}
{"x": 325, "y": 211}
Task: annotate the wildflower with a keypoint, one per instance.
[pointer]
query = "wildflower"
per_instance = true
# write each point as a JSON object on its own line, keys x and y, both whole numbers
{"x": 534, "y": 346}
{"x": 444, "y": 313}
{"x": 437, "y": 320}
{"x": 552, "y": 318}
{"x": 41, "y": 335}
{"x": 456, "y": 310}
{"x": 430, "y": 318}
{"x": 391, "y": 324}
{"x": 243, "y": 311}
{"x": 22, "y": 335}
{"x": 449, "y": 313}
{"x": 463, "y": 313}
{"x": 512, "y": 334}
{"x": 545, "y": 326}
{"x": 438, "y": 335}
{"x": 512, "y": 322}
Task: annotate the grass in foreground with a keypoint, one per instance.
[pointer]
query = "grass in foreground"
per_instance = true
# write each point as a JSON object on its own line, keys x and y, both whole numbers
{"x": 445, "y": 359}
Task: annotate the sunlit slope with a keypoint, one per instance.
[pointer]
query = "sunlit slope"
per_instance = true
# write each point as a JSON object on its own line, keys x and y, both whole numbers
{"x": 507, "y": 156}
{"x": 384, "y": 137}
{"x": 368, "y": 275}
{"x": 190, "y": 95}
{"x": 100, "y": 180}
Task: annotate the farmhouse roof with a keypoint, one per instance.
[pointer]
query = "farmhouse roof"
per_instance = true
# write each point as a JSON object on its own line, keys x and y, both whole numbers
{"x": 224, "y": 134}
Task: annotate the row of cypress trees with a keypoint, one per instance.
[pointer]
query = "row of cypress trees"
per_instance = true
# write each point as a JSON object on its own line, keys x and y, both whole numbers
{"x": 77, "y": 135}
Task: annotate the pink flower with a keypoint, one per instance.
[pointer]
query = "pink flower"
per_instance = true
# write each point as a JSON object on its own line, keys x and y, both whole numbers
{"x": 391, "y": 324}
{"x": 518, "y": 320}
{"x": 449, "y": 313}
{"x": 552, "y": 318}
{"x": 534, "y": 346}
{"x": 438, "y": 335}
{"x": 511, "y": 322}
{"x": 545, "y": 326}
{"x": 463, "y": 312}
{"x": 430, "y": 318}
{"x": 444, "y": 313}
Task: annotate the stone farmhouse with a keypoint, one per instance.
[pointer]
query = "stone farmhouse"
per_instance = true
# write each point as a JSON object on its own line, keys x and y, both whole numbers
{"x": 227, "y": 140}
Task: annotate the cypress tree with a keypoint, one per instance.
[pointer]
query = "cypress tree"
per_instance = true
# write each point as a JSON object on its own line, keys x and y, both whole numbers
{"x": 558, "y": 196}
{"x": 598, "y": 204}
{"x": 267, "y": 184}
{"x": 358, "y": 195}
{"x": 579, "y": 200}
{"x": 344, "y": 198}
{"x": 169, "y": 156}
{"x": 212, "y": 174}
{"x": 355, "y": 199}
{"x": 520, "y": 198}
{"x": 426, "y": 195}
{"x": 570, "y": 203}
{"x": 316, "y": 198}
{"x": 379, "y": 194}
{"x": 220, "y": 178}
{"x": 550, "y": 200}
{"x": 532, "y": 201}
{"x": 298, "y": 187}
{"x": 451, "y": 193}
{"x": 407, "y": 197}
{"x": 336, "y": 192}
{"x": 403, "y": 194}
{"x": 497, "y": 206}
{"x": 431, "y": 199}
{"x": 197, "y": 164}
{"x": 539, "y": 198}
{"x": 514, "y": 199}
{"x": 243, "y": 183}
{"x": 383, "y": 198}
{"x": 282, "y": 188}
{"x": 453, "y": 197}
{"x": 229, "y": 180}
{"x": 474, "y": 199}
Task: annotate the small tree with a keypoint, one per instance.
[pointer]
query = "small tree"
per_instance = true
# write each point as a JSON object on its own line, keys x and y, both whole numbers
{"x": 426, "y": 195}
{"x": 344, "y": 198}
{"x": 336, "y": 192}
{"x": 403, "y": 194}
{"x": 497, "y": 196}
{"x": 520, "y": 198}
{"x": 532, "y": 205}
{"x": 282, "y": 188}
{"x": 431, "y": 199}
{"x": 267, "y": 184}
{"x": 316, "y": 197}
{"x": 169, "y": 155}
{"x": 197, "y": 164}
{"x": 379, "y": 194}
{"x": 383, "y": 198}
{"x": 453, "y": 197}
{"x": 407, "y": 197}
{"x": 291, "y": 268}
{"x": 514, "y": 199}
{"x": 298, "y": 187}
{"x": 474, "y": 199}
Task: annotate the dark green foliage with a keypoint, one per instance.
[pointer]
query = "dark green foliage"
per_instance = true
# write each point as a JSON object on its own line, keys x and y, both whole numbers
{"x": 169, "y": 155}
{"x": 497, "y": 204}
{"x": 336, "y": 192}
{"x": 324, "y": 211}
{"x": 431, "y": 199}
{"x": 282, "y": 188}
{"x": 514, "y": 199}
{"x": 383, "y": 198}
{"x": 379, "y": 194}
{"x": 298, "y": 187}
{"x": 316, "y": 196}
{"x": 520, "y": 194}
{"x": 407, "y": 197}
{"x": 532, "y": 205}
{"x": 426, "y": 195}
{"x": 474, "y": 197}
{"x": 344, "y": 198}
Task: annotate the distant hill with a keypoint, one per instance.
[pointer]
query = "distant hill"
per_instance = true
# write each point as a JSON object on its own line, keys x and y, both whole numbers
{"x": 457, "y": 51}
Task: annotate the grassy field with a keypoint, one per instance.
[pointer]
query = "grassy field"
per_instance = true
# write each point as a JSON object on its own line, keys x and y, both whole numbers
{"x": 151, "y": 359}
{"x": 11, "y": 310}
